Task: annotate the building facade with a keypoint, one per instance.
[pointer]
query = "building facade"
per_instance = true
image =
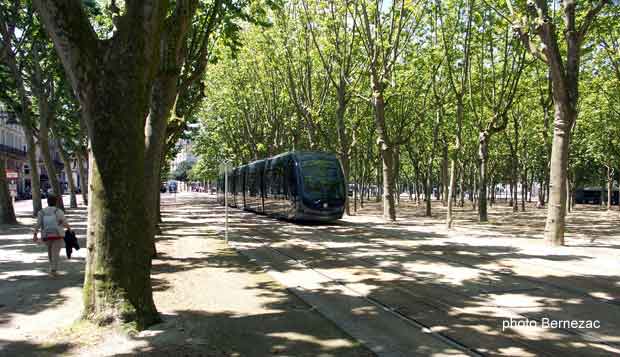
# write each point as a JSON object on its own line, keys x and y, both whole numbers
{"x": 13, "y": 150}
{"x": 185, "y": 154}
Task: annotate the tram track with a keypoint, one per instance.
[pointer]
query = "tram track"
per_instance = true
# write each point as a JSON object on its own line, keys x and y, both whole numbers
{"x": 588, "y": 336}
{"x": 260, "y": 232}
{"x": 393, "y": 310}
{"x": 370, "y": 264}
{"x": 412, "y": 250}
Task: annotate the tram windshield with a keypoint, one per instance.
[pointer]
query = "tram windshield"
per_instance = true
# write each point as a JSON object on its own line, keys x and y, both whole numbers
{"x": 322, "y": 179}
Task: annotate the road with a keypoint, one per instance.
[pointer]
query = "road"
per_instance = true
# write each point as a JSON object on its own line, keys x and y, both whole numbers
{"x": 412, "y": 290}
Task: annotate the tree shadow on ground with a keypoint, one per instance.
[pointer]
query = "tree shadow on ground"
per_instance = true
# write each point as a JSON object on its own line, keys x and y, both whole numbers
{"x": 26, "y": 290}
{"x": 587, "y": 223}
{"x": 200, "y": 333}
{"x": 18, "y": 348}
{"x": 466, "y": 291}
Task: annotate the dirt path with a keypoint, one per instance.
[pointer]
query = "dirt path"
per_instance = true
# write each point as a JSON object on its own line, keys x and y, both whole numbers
{"x": 213, "y": 301}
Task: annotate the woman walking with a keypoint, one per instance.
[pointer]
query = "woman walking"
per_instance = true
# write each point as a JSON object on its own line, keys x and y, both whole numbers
{"x": 50, "y": 221}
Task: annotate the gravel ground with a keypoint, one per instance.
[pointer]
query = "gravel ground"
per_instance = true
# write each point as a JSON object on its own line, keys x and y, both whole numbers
{"x": 214, "y": 302}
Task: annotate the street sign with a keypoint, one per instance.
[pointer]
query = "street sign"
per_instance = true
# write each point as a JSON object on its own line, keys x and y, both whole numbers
{"x": 12, "y": 174}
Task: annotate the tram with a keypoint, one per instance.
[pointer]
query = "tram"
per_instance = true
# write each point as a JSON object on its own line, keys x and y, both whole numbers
{"x": 297, "y": 185}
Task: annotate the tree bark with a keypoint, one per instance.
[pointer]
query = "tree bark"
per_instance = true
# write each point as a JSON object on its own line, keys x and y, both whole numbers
{"x": 24, "y": 108}
{"x": 564, "y": 73}
{"x": 83, "y": 176}
{"x": 378, "y": 168}
{"x": 112, "y": 80}
{"x": 52, "y": 173}
{"x": 451, "y": 193}
{"x": 453, "y": 161}
{"x": 428, "y": 191}
{"x": 389, "y": 208}
{"x": 555, "y": 223}
{"x": 161, "y": 109}
{"x": 44, "y": 92}
{"x": 524, "y": 189}
{"x": 444, "y": 173}
{"x": 568, "y": 191}
{"x": 343, "y": 139}
{"x": 483, "y": 155}
{"x": 7, "y": 212}
{"x": 35, "y": 180}
{"x": 610, "y": 186}
{"x": 69, "y": 174}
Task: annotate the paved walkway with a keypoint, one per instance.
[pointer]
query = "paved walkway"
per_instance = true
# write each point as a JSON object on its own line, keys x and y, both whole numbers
{"x": 214, "y": 302}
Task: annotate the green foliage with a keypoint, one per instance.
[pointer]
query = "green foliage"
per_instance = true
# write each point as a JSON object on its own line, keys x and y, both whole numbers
{"x": 183, "y": 171}
{"x": 276, "y": 93}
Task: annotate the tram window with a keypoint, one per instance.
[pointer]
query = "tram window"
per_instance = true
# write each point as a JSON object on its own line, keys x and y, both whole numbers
{"x": 279, "y": 177}
{"x": 292, "y": 178}
{"x": 321, "y": 179}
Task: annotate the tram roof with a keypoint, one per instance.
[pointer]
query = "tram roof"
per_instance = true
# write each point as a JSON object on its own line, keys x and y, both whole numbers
{"x": 301, "y": 155}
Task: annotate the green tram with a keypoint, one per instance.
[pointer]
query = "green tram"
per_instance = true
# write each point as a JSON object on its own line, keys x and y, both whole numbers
{"x": 297, "y": 185}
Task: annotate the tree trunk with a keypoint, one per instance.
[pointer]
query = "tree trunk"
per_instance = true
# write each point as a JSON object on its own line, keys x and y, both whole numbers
{"x": 385, "y": 148}
{"x": 555, "y": 224}
{"x": 343, "y": 139}
{"x": 69, "y": 174}
{"x": 378, "y": 184}
{"x": 35, "y": 180}
{"x": 444, "y": 174}
{"x": 355, "y": 188}
{"x": 524, "y": 190}
{"x": 454, "y": 158}
{"x": 344, "y": 161}
{"x": 418, "y": 181}
{"x": 428, "y": 192}
{"x": 362, "y": 195}
{"x": 83, "y": 177}
{"x": 462, "y": 186}
{"x": 7, "y": 212}
{"x": 52, "y": 173}
{"x": 27, "y": 123}
{"x": 451, "y": 192}
{"x": 610, "y": 186}
{"x": 117, "y": 285}
{"x": 515, "y": 198}
{"x": 483, "y": 155}
{"x": 474, "y": 198}
{"x": 396, "y": 166}
{"x": 163, "y": 95}
{"x": 568, "y": 190}
{"x": 389, "y": 208}
{"x": 515, "y": 167}
{"x": 112, "y": 80}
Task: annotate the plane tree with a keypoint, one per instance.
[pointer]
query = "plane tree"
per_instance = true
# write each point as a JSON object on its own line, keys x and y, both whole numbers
{"x": 494, "y": 77}
{"x": 556, "y": 36}
{"x": 456, "y": 28}
{"x": 385, "y": 31}
{"x": 333, "y": 28}
{"x": 16, "y": 32}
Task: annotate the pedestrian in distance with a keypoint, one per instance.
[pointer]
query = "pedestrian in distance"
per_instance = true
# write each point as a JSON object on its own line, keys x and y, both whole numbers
{"x": 50, "y": 221}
